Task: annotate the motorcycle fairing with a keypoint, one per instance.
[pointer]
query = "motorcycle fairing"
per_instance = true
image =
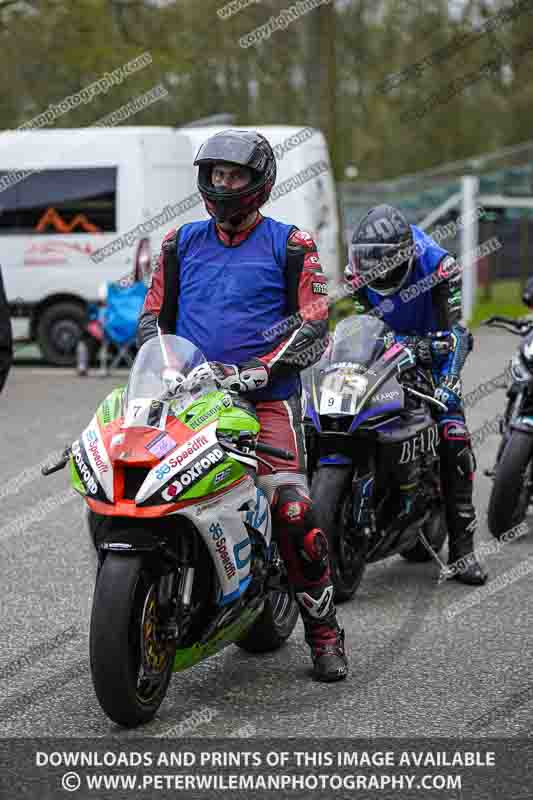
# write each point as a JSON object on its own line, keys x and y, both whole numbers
{"x": 221, "y": 524}
{"x": 127, "y": 444}
{"x": 363, "y": 401}
{"x": 98, "y": 457}
{"x": 169, "y": 468}
{"x": 222, "y": 637}
{"x": 111, "y": 407}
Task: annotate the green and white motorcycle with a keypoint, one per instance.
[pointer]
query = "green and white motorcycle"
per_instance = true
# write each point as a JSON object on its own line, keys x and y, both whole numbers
{"x": 186, "y": 559}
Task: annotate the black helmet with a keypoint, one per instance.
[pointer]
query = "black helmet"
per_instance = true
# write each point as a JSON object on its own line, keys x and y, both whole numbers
{"x": 247, "y": 149}
{"x": 382, "y": 252}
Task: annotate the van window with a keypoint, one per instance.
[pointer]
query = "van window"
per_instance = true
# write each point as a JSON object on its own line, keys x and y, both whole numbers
{"x": 55, "y": 201}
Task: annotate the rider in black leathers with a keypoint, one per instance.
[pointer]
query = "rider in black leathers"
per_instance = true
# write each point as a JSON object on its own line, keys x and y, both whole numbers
{"x": 400, "y": 274}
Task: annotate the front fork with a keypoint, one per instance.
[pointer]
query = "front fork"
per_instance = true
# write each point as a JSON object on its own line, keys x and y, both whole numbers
{"x": 174, "y": 590}
{"x": 175, "y": 603}
{"x": 364, "y": 516}
{"x": 363, "y": 508}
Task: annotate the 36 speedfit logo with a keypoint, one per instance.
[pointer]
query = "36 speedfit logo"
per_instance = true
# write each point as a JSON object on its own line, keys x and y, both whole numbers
{"x": 93, "y": 447}
{"x": 194, "y": 473}
{"x": 183, "y": 455}
{"x": 222, "y": 548}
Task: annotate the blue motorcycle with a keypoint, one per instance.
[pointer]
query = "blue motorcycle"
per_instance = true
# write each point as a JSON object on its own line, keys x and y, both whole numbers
{"x": 373, "y": 452}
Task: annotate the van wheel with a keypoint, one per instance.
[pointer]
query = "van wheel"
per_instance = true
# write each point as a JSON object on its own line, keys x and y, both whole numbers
{"x": 58, "y": 332}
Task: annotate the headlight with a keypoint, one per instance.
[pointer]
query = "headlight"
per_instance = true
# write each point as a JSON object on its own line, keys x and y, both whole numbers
{"x": 341, "y": 392}
{"x": 358, "y": 384}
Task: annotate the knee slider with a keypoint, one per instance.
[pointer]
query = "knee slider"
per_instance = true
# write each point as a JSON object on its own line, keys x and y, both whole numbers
{"x": 293, "y": 509}
{"x": 312, "y": 549}
{"x": 293, "y": 514}
{"x": 315, "y": 546}
{"x": 455, "y": 431}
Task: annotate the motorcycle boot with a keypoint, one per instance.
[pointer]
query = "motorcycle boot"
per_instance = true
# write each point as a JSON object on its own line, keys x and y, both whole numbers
{"x": 304, "y": 548}
{"x": 322, "y": 632}
{"x": 457, "y": 474}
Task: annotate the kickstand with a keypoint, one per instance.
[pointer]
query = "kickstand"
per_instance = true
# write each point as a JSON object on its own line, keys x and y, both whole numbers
{"x": 445, "y": 571}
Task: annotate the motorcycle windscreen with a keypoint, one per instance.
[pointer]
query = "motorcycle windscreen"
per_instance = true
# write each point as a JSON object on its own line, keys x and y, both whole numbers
{"x": 167, "y": 368}
{"x": 359, "y": 340}
{"x": 339, "y": 380}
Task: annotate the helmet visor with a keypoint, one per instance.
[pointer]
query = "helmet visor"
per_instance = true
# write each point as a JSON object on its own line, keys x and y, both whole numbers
{"x": 379, "y": 259}
{"x": 233, "y": 149}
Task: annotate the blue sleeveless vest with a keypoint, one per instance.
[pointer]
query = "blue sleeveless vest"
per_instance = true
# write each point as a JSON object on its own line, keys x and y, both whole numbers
{"x": 230, "y": 296}
{"x": 416, "y": 316}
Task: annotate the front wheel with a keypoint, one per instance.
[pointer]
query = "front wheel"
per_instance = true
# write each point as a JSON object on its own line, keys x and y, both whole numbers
{"x": 130, "y": 666}
{"x": 332, "y": 506}
{"x": 273, "y": 626}
{"x": 511, "y": 490}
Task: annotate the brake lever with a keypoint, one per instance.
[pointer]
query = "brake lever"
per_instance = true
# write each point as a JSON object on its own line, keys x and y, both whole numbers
{"x": 252, "y": 454}
{"x": 427, "y": 398}
{"x": 61, "y": 464}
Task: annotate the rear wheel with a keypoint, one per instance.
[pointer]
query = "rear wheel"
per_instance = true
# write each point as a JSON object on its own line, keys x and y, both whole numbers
{"x": 131, "y": 667}
{"x": 58, "y": 332}
{"x": 511, "y": 490}
{"x": 273, "y": 626}
{"x": 332, "y": 507}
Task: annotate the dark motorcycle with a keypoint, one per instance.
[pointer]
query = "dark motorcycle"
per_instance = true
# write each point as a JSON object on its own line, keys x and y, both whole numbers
{"x": 513, "y": 470}
{"x": 370, "y": 437}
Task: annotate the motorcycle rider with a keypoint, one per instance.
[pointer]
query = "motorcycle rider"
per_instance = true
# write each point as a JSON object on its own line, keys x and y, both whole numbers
{"x": 399, "y": 273}
{"x": 225, "y": 284}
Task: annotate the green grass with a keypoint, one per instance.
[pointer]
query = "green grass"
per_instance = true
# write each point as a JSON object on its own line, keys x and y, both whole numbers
{"x": 339, "y": 310}
{"x": 505, "y": 300}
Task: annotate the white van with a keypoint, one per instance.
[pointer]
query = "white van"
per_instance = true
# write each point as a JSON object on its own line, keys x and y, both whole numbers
{"x": 69, "y": 222}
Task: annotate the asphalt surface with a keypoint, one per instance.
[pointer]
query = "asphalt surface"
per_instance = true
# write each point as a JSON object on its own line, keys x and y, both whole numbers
{"x": 414, "y": 671}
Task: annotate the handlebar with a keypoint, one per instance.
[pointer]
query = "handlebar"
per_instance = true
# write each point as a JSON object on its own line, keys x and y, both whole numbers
{"x": 427, "y": 398}
{"x": 277, "y": 452}
{"x": 516, "y": 326}
{"x": 285, "y": 455}
{"x": 63, "y": 461}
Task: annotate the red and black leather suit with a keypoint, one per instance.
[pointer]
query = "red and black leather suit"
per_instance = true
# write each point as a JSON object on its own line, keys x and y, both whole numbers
{"x": 296, "y": 343}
